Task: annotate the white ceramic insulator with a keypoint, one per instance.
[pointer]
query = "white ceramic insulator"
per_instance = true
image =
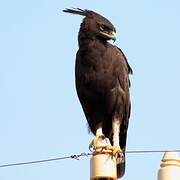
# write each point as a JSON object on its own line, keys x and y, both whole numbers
{"x": 103, "y": 165}
{"x": 170, "y": 167}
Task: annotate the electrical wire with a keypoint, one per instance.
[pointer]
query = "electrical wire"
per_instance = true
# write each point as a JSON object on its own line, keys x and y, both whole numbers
{"x": 151, "y": 151}
{"x": 78, "y": 156}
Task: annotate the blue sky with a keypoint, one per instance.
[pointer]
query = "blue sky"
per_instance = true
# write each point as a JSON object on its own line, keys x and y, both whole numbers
{"x": 40, "y": 113}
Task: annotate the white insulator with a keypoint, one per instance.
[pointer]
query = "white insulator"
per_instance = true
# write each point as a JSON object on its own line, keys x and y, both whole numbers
{"x": 170, "y": 167}
{"x": 103, "y": 164}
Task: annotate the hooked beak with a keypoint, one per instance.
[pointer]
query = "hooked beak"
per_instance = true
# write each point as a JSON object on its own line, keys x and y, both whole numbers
{"x": 111, "y": 35}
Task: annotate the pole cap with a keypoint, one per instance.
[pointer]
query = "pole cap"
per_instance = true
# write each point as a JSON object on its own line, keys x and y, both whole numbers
{"x": 170, "y": 166}
{"x": 171, "y": 158}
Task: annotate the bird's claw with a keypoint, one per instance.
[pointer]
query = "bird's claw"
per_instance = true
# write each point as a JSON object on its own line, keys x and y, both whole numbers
{"x": 116, "y": 152}
{"x": 96, "y": 143}
{"x": 100, "y": 143}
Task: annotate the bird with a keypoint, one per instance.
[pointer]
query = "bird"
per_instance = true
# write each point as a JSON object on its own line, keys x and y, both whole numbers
{"x": 102, "y": 82}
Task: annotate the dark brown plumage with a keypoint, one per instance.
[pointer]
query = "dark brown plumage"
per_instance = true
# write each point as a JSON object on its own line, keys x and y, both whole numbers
{"x": 102, "y": 78}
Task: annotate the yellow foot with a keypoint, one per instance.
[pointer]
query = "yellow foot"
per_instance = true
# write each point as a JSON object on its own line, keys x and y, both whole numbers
{"x": 116, "y": 151}
{"x": 97, "y": 143}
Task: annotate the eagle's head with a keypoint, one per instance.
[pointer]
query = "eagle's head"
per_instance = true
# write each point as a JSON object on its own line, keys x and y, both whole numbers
{"x": 94, "y": 25}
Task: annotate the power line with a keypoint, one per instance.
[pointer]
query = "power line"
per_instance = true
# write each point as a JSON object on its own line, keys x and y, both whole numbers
{"x": 151, "y": 151}
{"x": 78, "y": 156}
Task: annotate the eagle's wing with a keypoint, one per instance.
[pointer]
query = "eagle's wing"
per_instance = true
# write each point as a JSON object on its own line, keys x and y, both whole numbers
{"x": 130, "y": 71}
{"x": 123, "y": 70}
{"x": 122, "y": 105}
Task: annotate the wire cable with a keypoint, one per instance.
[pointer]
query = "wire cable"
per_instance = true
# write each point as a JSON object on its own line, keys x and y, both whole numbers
{"x": 151, "y": 151}
{"x": 78, "y": 156}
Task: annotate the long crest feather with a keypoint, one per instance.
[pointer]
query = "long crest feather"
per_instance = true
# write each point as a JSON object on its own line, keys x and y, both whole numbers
{"x": 77, "y": 11}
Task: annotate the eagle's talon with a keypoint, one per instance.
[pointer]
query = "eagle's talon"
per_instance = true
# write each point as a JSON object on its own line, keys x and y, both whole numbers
{"x": 116, "y": 152}
{"x": 94, "y": 145}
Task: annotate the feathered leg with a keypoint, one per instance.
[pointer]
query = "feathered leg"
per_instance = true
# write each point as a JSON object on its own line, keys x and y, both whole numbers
{"x": 116, "y": 130}
{"x": 116, "y": 146}
{"x": 117, "y": 151}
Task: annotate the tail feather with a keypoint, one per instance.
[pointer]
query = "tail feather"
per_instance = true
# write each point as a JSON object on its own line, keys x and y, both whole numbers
{"x": 121, "y": 168}
{"x": 121, "y": 165}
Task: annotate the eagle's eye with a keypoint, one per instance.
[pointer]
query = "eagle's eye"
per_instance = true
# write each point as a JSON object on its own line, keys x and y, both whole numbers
{"x": 106, "y": 32}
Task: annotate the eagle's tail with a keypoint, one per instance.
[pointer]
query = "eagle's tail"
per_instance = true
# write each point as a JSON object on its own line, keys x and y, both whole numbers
{"x": 121, "y": 168}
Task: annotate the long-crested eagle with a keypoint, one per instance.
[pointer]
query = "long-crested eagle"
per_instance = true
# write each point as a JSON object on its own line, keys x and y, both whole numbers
{"x": 102, "y": 82}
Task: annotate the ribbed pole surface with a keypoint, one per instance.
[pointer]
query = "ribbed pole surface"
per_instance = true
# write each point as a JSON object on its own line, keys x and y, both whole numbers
{"x": 170, "y": 166}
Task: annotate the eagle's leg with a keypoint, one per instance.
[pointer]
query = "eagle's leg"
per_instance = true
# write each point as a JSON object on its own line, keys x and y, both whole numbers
{"x": 116, "y": 150}
{"x": 116, "y": 129}
{"x": 97, "y": 141}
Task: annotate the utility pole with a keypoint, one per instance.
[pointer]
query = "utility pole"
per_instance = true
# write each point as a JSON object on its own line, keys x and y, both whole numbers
{"x": 170, "y": 166}
{"x": 103, "y": 163}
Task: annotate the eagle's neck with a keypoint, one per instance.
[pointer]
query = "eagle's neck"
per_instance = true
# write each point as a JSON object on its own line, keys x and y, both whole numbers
{"x": 87, "y": 40}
